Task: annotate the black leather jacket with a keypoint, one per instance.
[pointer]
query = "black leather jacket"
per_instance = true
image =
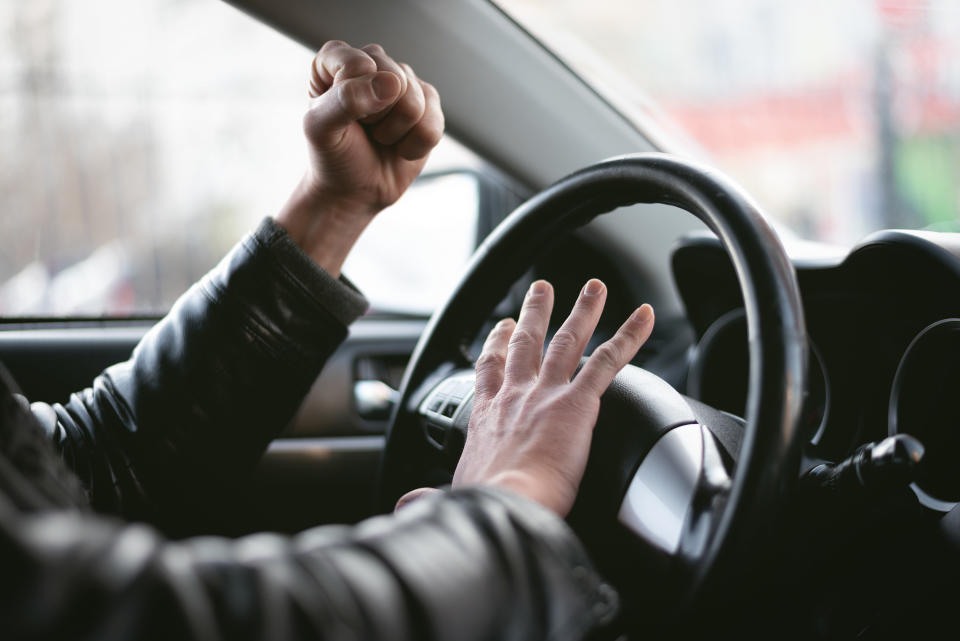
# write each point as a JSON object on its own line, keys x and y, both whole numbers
{"x": 157, "y": 438}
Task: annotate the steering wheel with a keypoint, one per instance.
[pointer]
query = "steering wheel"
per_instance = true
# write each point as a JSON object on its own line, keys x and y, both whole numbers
{"x": 670, "y": 484}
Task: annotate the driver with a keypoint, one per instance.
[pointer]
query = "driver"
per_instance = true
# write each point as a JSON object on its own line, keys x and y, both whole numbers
{"x": 166, "y": 436}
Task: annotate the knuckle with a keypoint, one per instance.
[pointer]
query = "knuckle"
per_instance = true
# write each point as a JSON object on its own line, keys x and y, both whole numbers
{"x": 357, "y": 66}
{"x": 431, "y": 96}
{"x": 523, "y": 338}
{"x": 339, "y": 58}
{"x": 510, "y": 395}
{"x": 574, "y": 401}
{"x": 608, "y": 355}
{"x": 490, "y": 361}
{"x": 423, "y": 137}
{"x": 433, "y": 135}
{"x": 565, "y": 339}
{"x": 411, "y": 108}
{"x": 373, "y": 47}
{"x": 426, "y": 136}
{"x": 330, "y": 45}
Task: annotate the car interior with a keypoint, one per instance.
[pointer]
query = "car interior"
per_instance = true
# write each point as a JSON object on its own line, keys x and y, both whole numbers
{"x": 781, "y": 458}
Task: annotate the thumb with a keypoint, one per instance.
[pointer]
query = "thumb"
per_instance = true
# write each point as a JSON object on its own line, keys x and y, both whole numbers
{"x": 348, "y": 101}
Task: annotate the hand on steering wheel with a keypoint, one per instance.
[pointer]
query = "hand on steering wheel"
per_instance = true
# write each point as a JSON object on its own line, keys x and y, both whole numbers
{"x": 531, "y": 425}
{"x": 653, "y": 452}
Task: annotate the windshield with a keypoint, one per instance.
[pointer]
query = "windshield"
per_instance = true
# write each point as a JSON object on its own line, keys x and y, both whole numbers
{"x": 840, "y": 118}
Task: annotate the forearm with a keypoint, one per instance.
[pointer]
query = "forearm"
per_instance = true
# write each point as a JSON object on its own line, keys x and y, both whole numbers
{"x": 208, "y": 387}
{"x": 326, "y": 229}
{"x": 483, "y": 563}
{"x": 471, "y": 564}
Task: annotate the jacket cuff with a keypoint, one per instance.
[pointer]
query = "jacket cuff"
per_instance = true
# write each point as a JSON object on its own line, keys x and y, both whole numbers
{"x": 338, "y": 296}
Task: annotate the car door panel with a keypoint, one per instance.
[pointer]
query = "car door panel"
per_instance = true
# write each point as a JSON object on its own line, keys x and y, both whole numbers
{"x": 50, "y": 364}
{"x": 321, "y": 469}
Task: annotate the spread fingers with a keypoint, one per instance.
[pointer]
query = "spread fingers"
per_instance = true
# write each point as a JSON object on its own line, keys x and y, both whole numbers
{"x": 613, "y": 355}
{"x": 492, "y": 360}
{"x": 566, "y": 348}
{"x": 526, "y": 343}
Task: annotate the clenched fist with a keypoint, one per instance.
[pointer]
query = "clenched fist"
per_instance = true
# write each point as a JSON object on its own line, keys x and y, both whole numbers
{"x": 370, "y": 126}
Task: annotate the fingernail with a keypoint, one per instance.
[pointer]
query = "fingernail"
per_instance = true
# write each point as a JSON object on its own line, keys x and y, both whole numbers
{"x": 384, "y": 85}
{"x": 593, "y": 287}
{"x": 644, "y": 314}
{"x": 538, "y": 288}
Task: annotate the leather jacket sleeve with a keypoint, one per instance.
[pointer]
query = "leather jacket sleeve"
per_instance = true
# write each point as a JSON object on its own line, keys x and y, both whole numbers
{"x": 473, "y": 564}
{"x": 166, "y": 436}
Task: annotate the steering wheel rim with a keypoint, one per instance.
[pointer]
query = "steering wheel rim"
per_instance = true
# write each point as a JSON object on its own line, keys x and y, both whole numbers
{"x": 770, "y": 450}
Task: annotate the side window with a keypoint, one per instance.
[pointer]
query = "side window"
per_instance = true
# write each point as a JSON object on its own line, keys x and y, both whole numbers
{"x": 140, "y": 140}
{"x": 412, "y": 254}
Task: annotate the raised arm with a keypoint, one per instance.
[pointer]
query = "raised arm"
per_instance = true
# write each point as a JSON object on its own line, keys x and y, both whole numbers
{"x": 162, "y": 435}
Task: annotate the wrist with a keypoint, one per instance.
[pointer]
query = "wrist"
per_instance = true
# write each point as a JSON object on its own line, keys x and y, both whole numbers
{"x": 324, "y": 226}
{"x": 526, "y": 485}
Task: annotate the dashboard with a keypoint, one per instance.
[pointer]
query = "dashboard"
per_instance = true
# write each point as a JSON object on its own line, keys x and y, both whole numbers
{"x": 884, "y": 335}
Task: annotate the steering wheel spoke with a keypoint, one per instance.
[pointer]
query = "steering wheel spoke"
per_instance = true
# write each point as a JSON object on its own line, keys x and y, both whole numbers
{"x": 673, "y": 487}
{"x": 445, "y": 412}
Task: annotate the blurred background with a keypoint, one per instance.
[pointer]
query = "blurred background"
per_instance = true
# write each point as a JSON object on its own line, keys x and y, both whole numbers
{"x": 140, "y": 139}
{"x": 840, "y": 116}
